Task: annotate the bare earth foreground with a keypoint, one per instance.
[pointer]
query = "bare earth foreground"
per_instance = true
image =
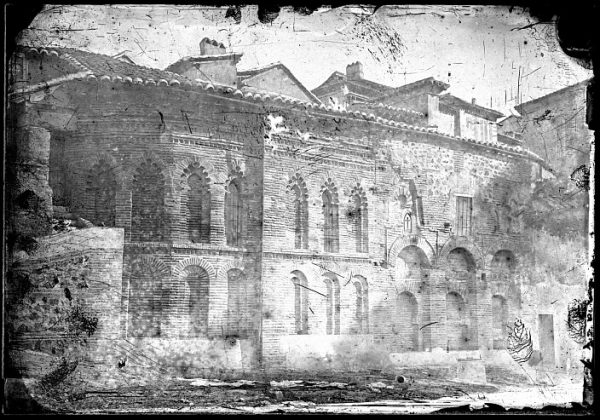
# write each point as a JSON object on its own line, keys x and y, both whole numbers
{"x": 377, "y": 393}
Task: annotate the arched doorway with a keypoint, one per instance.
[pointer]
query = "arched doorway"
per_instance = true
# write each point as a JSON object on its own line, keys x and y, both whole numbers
{"x": 457, "y": 328}
{"x": 407, "y": 323}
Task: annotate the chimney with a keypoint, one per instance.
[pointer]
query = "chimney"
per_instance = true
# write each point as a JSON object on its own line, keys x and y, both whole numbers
{"x": 211, "y": 47}
{"x": 214, "y": 64}
{"x": 473, "y": 101}
{"x": 354, "y": 71}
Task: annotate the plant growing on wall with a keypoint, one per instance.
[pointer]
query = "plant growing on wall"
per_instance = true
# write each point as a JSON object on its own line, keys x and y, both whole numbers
{"x": 576, "y": 319}
{"x": 520, "y": 346}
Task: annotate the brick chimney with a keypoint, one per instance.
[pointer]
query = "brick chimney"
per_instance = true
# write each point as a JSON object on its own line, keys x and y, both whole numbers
{"x": 354, "y": 71}
{"x": 212, "y": 47}
{"x": 214, "y": 64}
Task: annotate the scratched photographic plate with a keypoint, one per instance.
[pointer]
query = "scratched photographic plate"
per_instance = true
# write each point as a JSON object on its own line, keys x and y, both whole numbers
{"x": 253, "y": 209}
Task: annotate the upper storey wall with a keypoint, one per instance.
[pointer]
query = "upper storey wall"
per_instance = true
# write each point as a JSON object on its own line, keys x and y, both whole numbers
{"x": 400, "y": 171}
{"x": 128, "y": 124}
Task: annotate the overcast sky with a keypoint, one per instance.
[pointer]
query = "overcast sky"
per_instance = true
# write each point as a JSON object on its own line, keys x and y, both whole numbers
{"x": 480, "y": 51}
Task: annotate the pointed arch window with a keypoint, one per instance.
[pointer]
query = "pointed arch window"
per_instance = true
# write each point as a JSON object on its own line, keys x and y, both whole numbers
{"x": 300, "y": 203}
{"x": 332, "y": 309}
{"x": 360, "y": 220}
{"x": 198, "y": 207}
{"x": 234, "y": 213}
{"x": 148, "y": 213}
{"x": 362, "y": 306}
{"x": 300, "y": 302}
{"x": 331, "y": 221}
{"x": 408, "y": 223}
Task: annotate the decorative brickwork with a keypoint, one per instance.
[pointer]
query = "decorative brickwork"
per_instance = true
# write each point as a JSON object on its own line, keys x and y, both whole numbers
{"x": 321, "y": 228}
{"x": 148, "y": 213}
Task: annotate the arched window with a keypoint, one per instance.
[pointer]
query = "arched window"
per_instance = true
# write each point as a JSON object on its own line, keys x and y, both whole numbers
{"x": 234, "y": 213}
{"x": 330, "y": 222}
{"x": 240, "y": 298}
{"x": 408, "y": 325}
{"x": 145, "y": 300}
{"x": 198, "y": 283}
{"x": 362, "y": 306}
{"x": 332, "y": 309}
{"x": 101, "y": 190}
{"x": 299, "y": 192}
{"x": 300, "y": 302}
{"x": 457, "y": 330}
{"x": 360, "y": 219}
{"x": 148, "y": 213}
{"x": 408, "y": 223}
{"x": 198, "y": 206}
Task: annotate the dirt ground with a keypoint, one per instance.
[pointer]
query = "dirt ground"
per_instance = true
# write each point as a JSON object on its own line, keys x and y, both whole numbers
{"x": 282, "y": 392}
{"x": 196, "y": 394}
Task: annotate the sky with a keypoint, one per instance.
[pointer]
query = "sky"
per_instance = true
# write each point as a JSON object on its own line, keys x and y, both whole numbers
{"x": 483, "y": 52}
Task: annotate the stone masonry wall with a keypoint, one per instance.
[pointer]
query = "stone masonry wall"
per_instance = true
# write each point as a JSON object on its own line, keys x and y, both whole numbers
{"x": 70, "y": 277}
{"x": 407, "y": 169}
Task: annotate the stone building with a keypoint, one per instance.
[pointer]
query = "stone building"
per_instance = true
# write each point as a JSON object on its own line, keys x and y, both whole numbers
{"x": 554, "y": 127}
{"x": 267, "y": 226}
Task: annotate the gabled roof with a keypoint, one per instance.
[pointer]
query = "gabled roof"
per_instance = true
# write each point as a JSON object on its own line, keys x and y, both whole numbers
{"x": 521, "y": 107}
{"x": 488, "y": 113}
{"x": 436, "y": 87}
{"x": 337, "y": 79}
{"x": 249, "y": 74}
{"x": 122, "y": 56}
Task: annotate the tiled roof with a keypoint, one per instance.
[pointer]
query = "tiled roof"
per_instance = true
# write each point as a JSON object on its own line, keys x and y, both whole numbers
{"x": 453, "y": 100}
{"x": 521, "y": 108}
{"x": 408, "y": 87}
{"x": 246, "y": 74}
{"x": 337, "y": 78}
{"x": 102, "y": 68}
{"x": 104, "y": 65}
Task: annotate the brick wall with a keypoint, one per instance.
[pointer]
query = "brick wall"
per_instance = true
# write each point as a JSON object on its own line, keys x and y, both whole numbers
{"x": 134, "y": 134}
{"x": 410, "y": 174}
